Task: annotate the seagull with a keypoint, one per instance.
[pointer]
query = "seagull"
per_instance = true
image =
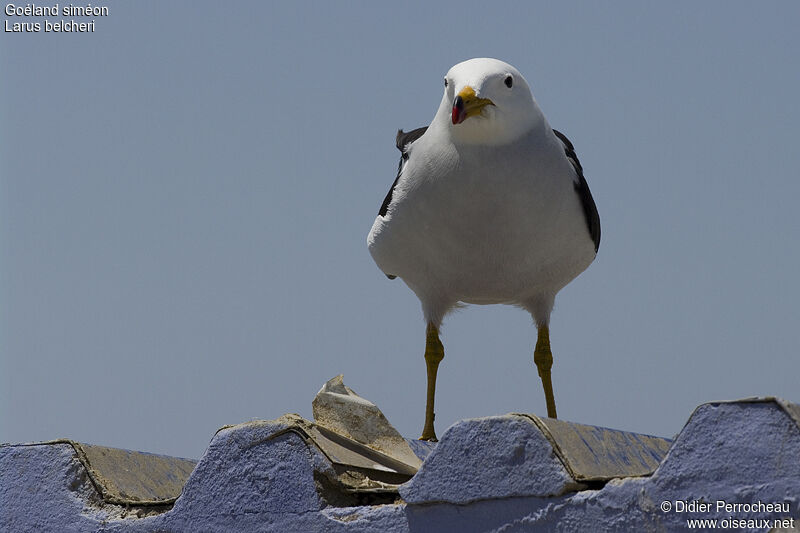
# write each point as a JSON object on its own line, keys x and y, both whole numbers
{"x": 490, "y": 206}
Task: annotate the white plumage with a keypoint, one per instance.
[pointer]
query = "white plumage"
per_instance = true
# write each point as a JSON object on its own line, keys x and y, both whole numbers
{"x": 490, "y": 205}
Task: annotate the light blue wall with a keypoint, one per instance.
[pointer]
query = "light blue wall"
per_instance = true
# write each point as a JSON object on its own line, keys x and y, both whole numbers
{"x": 255, "y": 478}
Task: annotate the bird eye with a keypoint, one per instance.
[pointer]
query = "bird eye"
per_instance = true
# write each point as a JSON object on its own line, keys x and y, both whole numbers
{"x": 509, "y": 81}
{"x": 445, "y": 82}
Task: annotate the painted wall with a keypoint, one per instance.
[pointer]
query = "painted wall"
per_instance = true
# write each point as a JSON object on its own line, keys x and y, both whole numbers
{"x": 484, "y": 475}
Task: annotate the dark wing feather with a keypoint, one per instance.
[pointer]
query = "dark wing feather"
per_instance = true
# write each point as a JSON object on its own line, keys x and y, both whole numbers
{"x": 403, "y": 141}
{"x": 582, "y": 188}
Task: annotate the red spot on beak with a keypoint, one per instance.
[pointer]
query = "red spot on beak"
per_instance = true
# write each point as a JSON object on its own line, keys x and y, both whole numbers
{"x": 459, "y": 114}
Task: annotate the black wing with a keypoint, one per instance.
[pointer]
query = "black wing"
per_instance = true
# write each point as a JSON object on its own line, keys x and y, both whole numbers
{"x": 402, "y": 141}
{"x": 582, "y": 188}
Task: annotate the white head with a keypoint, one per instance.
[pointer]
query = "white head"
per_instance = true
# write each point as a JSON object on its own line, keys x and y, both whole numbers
{"x": 487, "y": 101}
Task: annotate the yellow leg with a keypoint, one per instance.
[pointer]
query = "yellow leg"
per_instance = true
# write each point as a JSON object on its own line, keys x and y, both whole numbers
{"x": 543, "y": 358}
{"x": 434, "y": 353}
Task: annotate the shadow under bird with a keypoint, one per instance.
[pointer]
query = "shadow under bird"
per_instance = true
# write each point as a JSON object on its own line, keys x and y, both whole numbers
{"x": 490, "y": 206}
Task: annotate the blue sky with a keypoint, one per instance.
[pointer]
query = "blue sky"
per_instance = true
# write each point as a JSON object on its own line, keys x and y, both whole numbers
{"x": 185, "y": 196}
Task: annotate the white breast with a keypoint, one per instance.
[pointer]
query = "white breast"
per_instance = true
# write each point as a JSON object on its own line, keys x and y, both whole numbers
{"x": 484, "y": 224}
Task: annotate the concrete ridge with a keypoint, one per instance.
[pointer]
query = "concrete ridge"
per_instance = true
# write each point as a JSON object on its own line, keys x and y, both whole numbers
{"x": 733, "y": 460}
{"x": 126, "y": 477}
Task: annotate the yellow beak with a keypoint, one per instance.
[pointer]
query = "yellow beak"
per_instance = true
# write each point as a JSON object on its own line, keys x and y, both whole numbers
{"x": 467, "y": 104}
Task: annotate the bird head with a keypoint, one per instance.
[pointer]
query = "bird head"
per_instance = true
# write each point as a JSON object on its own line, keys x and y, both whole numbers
{"x": 487, "y": 101}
